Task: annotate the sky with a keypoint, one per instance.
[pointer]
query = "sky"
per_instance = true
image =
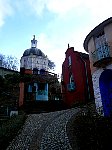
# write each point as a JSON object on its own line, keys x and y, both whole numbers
{"x": 55, "y": 23}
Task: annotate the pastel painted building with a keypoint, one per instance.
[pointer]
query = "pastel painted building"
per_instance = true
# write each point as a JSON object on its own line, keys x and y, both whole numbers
{"x": 35, "y": 63}
{"x": 34, "y": 59}
{"x": 98, "y": 43}
{"x": 76, "y": 78}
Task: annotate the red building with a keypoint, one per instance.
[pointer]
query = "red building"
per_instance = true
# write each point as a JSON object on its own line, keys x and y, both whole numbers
{"x": 76, "y": 78}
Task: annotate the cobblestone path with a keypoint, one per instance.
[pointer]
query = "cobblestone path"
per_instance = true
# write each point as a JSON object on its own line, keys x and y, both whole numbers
{"x": 45, "y": 131}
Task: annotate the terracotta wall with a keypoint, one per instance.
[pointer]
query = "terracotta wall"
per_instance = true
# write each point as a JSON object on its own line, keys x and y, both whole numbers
{"x": 80, "y": 95}
{"x": 28, "y": 71}
{"x": 21, "y": 96}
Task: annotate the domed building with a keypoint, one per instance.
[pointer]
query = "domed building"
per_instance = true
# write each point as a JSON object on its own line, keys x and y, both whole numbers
{"x": 34, "y": 59}
{"x": 37, "y": 87}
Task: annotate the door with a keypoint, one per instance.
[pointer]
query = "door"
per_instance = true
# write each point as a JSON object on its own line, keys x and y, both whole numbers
{"x": 105, "y": 83}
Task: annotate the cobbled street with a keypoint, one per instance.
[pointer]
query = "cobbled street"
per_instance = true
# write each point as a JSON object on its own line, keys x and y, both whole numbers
{"x": 45, "y": 131}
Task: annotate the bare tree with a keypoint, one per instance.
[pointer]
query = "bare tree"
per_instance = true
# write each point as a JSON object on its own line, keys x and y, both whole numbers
{"x": 51, "y": 65}
{"x": 9, "y": 62}
{"x": 2, "y": 58}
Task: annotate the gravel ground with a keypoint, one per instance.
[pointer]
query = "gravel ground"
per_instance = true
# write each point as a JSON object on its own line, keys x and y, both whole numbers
{"x": 45, "y": 131}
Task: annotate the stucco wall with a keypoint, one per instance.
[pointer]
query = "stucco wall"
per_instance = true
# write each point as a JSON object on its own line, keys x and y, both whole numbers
{"x": 97, "y": 95}
{"x": 96, "y": 72}
{"x": 108, "y": 34}
{"x": 32, "y": 61}
{"x": 77, "y": 69}
{"x": 21, "y": 96}
{"x": 91, "y": 48}
{"x": 91, "y": 45}
{"x": 95, "y": 78}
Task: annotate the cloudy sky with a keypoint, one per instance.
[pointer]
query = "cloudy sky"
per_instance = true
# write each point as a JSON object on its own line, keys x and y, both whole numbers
{"x": 55, "y": 23}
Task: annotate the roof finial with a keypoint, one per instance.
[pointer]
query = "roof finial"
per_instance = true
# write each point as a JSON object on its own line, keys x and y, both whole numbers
{"x": 68, "y": 45}
{"x": 33, "y": 37}
{"x": 34, "y": 42}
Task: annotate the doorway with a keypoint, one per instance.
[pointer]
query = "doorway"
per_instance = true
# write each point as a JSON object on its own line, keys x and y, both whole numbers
{"x": 105, "y": 84}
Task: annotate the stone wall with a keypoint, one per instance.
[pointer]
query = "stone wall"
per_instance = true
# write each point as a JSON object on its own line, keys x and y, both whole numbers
{"x": 97, "y": 95}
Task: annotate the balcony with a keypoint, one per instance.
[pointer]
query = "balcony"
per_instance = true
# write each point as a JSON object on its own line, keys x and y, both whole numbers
{"x": 71, "y": 86}
{"x": 101, "y": 56}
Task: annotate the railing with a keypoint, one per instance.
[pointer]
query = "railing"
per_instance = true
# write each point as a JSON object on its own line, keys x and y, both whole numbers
{"x": 102, "y": 52}
{"x": 71, "y": 86}
{"x": 42, "y": 92}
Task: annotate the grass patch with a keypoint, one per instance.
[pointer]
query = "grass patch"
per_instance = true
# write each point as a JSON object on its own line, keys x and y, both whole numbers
{"x": 9, "y": 129}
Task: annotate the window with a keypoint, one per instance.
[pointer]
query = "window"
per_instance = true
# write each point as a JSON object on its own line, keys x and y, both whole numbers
{"x": 25, "y": 63}
{"x": 71, "y": 79}
{"x": 69, "y": 61}
{"x": 42, "y": 71}
{"x": 71, "y": 85}
{"x": 35, "y": 71}
{"x": 38, "y": 71}
{"x": 100, "y": 40}
{"x": 102, "y": 48}
{"x": 29, "y": 88}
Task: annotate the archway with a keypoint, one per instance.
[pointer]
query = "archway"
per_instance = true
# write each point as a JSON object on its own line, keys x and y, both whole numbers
{"x": 105, "y": 83}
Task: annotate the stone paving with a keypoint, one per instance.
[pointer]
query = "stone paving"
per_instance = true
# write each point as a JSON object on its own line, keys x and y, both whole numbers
{"x": 45, "y": 131}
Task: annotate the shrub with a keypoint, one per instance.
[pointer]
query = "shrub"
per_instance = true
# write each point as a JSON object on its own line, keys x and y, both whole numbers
{"x": 92, "y": 132}
{"x": 9, "y": 129}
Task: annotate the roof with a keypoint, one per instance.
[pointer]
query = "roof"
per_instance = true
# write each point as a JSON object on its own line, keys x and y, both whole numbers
{"x": 84, "y": 55}
{"x": 6, "y": 69}
{"x": 96, "y": 31}
{"x": 34, "y": 51}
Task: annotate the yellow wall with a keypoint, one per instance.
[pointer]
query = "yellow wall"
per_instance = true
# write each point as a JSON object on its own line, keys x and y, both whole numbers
{"x": 108, "y": 34}
{"x": 91, "y": 46}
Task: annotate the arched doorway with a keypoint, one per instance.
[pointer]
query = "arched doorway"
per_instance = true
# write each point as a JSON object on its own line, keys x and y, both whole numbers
{"x": 105, "y": 83}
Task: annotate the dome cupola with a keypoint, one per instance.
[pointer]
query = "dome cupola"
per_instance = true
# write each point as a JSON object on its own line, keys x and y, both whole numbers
{"x": 34, "y": 58}
{"x": 33, "y": 50}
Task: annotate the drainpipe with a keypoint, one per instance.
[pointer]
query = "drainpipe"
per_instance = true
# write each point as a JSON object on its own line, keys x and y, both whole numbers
{"x": 85, "y": 65}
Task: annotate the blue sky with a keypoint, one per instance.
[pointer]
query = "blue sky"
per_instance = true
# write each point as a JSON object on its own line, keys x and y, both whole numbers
{"x": 55, "y": 23}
